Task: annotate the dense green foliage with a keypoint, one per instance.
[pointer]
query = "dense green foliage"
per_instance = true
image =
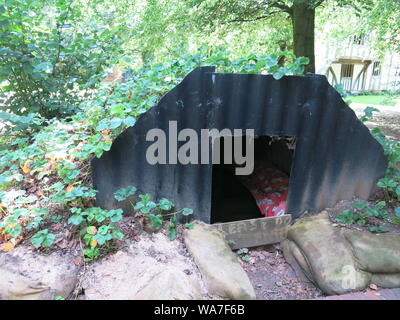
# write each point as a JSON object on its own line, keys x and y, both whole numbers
{"x": 45, "y": 175}
{"x": 390, "y": 184}
{"x": 49, "y": 60}
{"x": 57, "y": 112}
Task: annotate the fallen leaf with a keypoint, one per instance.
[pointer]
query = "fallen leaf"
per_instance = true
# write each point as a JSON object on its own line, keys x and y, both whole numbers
{"x": 62, "y": 243}
{"x": 373, "y": 286}
{"x": 78, "y": 261}
{"x": 7, "y": 247}
{"x": 70, "y": 188}
{"x": 26, "y": 167}
{"x": 57, "y": 227}
{"x": 91, "y": 230}
{"x": 72, "y": 243}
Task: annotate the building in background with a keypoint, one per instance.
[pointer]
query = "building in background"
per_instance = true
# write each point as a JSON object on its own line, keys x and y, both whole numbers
{"x": 357, "y": 67}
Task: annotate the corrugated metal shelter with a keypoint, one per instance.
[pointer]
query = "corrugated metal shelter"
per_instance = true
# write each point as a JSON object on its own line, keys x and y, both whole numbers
{"x": 335, "y": 158}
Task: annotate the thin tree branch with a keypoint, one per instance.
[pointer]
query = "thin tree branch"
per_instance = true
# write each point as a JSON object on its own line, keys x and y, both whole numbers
{"x": 318, "y": 3}
{"x": 258, "y": 18}
{"x": 280, "y": 5}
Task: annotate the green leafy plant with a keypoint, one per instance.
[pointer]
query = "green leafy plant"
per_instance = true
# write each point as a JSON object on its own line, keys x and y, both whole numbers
{"x": 390, "y": 184}
{"x": 362, "y": 211}
{"x": 53, "y": 134}
{"x": 347, "y": 217}
{"x": 49, "y": 60}
{"x": 91, "y": 253}
{"x": 43, "y": 238}
{"x": 243, "y": 253}
{"x": 156, "y": 212}
{"x": 124, "y": 193}
{"x": 145, "y": 205}
{"x": 378, "y": 229}
{"x": 97, "y": 227}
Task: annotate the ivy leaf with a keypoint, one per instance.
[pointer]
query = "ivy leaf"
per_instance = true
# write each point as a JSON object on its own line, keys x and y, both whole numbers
{"x": 21, "y": 212}
{"x": 271, "y": 61}
{"x": 172, "y": 232}
{"x": 124, "y": 193}
{"x": 35, "y": 223}
{"x": 187, "y": 212}
{"x": 44, "y": 238}
{"x": 165, "y": 204}
{"x": 358, "y": 205}
{"x": 103, "y": 124}
{"x": 49, "y": 240}
{"x": 116, "y": 215}
{"x": 37, "y": 239}
{"x": 378, "y": 229}
{"x": 91, "y": 230}
{"x": 76, "y": 219}
{"x": 26, "y": 200}
{"x": 115, "y": 123}
{"x": 130, "y": 121}
{"x": 189, "y": 225}
{"x": 147, "y": 207}
{"x": 15, "y": 231}
{"x": 303, "y": 60}
{"x": 279, "y": 73}
{"x": 156, "y": 221}
{"x": 369, "y": 110}
{"x": 117, "y": 234}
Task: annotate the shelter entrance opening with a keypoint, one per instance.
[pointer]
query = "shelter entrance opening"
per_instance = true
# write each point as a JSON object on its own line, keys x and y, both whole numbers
{"x": 263, "y": 193}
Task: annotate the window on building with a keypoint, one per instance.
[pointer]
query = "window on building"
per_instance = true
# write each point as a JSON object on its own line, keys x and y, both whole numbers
{"x": 376, "y": 68}
{"x": 347, "y": 70}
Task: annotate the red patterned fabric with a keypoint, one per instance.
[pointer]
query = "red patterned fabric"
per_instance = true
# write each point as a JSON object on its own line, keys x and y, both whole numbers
{"x": 269, "y": 187}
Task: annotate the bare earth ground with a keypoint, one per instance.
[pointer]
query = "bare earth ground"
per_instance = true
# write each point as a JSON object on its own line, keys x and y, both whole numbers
{"x": 273, "y": 278}
{"x": 387, "y": 119}
{"x": 389, "y": 124}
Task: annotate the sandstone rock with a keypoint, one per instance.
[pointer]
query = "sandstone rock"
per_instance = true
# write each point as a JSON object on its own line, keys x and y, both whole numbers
{"x": 342, "y": 260}
{"x": 28, "y": 275}
{"x": 386, "y": 280}
{"x": 219, "y": 266}
{"x": 153, "y": 270}
{"x": 376, "y": 253}
{"x": 170, "y": 284}
{"x": 324, "y": 255}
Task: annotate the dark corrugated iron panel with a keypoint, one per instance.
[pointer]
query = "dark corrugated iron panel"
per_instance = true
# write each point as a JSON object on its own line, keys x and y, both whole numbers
{"x": 335, "y": 159}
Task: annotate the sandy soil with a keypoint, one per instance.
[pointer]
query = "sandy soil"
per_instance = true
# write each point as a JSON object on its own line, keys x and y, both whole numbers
{"x": 273, "y": 278}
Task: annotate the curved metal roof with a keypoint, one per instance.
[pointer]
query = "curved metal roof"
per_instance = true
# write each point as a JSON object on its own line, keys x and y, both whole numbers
{"x": 335, "y": 158}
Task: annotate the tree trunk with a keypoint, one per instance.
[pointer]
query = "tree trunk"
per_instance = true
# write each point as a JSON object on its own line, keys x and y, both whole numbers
{"x": 303, "y": 21}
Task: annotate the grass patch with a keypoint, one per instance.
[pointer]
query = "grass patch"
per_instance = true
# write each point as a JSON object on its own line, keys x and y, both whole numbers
{"x": 384, "y": 100}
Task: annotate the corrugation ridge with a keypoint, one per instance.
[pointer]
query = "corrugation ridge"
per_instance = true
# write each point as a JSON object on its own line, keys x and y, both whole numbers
{"x": 315, "y": 162}
{"x": 291, "y": 119}
{"x": 319, "y": 147}
{"x": 335, "y": 148}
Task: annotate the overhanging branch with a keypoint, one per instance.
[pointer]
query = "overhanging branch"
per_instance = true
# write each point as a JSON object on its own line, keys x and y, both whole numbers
{"x": 258, "y": 18}
{"x": 280, "y": 5}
